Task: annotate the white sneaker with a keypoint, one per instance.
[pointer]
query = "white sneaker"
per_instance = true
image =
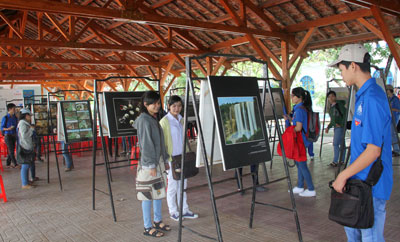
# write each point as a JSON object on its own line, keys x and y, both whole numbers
{"x": 308, "y": 193}
{"x": 311, "y": 158}
{"x": 297, "y": 190}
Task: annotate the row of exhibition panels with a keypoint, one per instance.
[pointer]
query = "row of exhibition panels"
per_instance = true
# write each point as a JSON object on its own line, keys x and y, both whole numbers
{"x": 72, "y": 120}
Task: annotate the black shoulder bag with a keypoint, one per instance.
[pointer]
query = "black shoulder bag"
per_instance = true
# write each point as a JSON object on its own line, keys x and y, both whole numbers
{"x": 190, "y": 169}
{"x": 354, "y": 207}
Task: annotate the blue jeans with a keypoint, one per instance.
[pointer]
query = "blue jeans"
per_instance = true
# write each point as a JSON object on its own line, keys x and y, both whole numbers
{"x": 310, "y": 149}
{"x": 337, "y": 144}
{"x": 374, "y": 234}
{"x": 66, "y": 155}
{"x": 24, "y": 173}
{"x": 394, "y": 139}
{"x": 304, "y": 174}
{"x": 124, "y": 148}
{"x": 146, "y": 208}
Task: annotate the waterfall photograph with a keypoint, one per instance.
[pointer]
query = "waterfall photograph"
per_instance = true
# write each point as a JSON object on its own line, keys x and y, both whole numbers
{"x": 240, "y": 119}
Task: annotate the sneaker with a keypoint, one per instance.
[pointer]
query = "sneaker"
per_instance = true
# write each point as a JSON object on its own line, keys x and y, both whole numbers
{"x": 311, "y": 158}
{"x": 40, "y": 159}
{"x": 297, "y": 190}
{"x": 68, "y": 169}
{"x": 190, "y": 215}
{"x": 175, "y": 217}
{"x": 34, "y": 179}
{"x": 123, "y": 153}
{"x": 308, "y": 193}
{"x": 27, "y": 187}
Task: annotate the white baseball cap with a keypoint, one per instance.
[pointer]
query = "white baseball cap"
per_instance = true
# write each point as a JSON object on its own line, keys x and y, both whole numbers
{"x": 350, "y": 53}
{"x": 25, "y": 111}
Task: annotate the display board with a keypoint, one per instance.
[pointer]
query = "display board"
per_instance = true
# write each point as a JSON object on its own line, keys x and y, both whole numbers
{"x": 277, "y": 95}
{"x": 122, "y": 109}
{"x": 40, "y": 115}
{"x": 240, "y": 123}
{"x": 191, "y": 115}
{"x": 76, "y": 121}
{"x": 103, "y": 116}
{"x": 7, "y": 95}
{"x": 207, "y": 119}
{"x": 342, "y": 93}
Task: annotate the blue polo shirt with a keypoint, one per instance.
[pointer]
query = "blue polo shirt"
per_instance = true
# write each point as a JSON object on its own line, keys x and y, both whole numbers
{"x": 11, "y": 121}
{"x": 300, "y": 115}
{"x": 395, "y": 103}
{"x": 371, "y": 125}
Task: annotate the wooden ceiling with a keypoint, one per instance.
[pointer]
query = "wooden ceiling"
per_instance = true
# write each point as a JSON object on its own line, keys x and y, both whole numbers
{"x": 68, "y": 43}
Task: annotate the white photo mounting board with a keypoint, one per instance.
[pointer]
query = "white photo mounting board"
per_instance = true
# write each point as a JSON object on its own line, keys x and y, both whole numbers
{"x": 207, "y": 119}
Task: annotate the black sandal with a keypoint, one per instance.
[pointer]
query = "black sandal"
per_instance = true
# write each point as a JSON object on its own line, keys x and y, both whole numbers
{"x": 162, "y": 226}
{"x": 333, "y": 164}
{"x": 153, "y": 232}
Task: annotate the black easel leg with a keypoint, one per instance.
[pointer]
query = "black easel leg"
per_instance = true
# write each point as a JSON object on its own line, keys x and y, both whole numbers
{"x": 253, "y": 200}
{"x": 48, "y": 160}
{"x": 58, "y": 167}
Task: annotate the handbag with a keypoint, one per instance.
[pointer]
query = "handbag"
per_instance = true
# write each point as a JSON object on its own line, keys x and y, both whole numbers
{"x": 354, "y": 207}
{"x": 24, "y": 156}
{"x": 151, "y": 187}
{"x": 190, "y": 169}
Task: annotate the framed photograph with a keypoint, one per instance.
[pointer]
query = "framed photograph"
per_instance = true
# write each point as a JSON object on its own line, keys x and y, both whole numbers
{"x": 277, "y": 95}
{"x": 76, "y": 121}
{"x": 122, "y": 109}
{"x": 41, "y": 118}
{"x": 240, "y": 123}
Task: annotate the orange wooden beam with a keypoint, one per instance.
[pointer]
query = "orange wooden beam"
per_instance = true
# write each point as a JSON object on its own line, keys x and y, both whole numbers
{"x": 57, "y": 26}
{"x": 87, "y": 46}
{"x": 12, "y": 27}
{"x": 393, "y": 46}
{"x": 302, "y": 46}
{"x": 391, "y": 7}
{"x": 371, "y": 27}
{"x": 131, "y": 16}
{"x": 334, "y": 19}
{"x": 63, "y": 71}
{"x": 77, "y": 61}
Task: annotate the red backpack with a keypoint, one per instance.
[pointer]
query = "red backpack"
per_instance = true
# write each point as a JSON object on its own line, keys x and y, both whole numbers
{"x": 313, "y": 126}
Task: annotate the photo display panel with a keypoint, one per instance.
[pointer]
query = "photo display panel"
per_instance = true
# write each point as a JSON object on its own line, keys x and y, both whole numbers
{"x": 77, "y": 121}
{"x": 240, "y": 124}
{"x": 277, "y": 95}
{"x": 40, "y": 116}
{"x": 122, "y": 109}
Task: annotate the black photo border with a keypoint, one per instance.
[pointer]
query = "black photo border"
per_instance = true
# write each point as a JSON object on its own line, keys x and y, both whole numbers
{"x": 241, "y": 154}
{"x": 110, "y": 112}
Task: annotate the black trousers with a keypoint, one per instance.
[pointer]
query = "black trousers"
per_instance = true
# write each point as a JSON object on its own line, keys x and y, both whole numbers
{"x": 253, "y": 169}
{"x": 10, "y": 142}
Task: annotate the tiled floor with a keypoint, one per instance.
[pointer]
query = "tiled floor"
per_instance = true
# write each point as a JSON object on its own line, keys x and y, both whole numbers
{"x": 46, "y": 214}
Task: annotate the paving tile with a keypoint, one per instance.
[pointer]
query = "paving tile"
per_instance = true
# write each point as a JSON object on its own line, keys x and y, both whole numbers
{"x": 47, "y": 214}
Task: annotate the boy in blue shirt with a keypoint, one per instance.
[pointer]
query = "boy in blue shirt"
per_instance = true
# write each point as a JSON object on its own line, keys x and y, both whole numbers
{"x": 8, "y": 128}
{"x": 370, "y": 129}
{"x": 395, "y": 106}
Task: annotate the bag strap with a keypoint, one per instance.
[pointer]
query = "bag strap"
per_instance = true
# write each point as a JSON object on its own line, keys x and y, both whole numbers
{"x": 378, "y": 162}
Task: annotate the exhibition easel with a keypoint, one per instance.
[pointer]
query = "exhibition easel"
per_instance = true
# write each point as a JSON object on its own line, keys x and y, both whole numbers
{"x": 107, "y": 163}
{"x": 49, "y": 135}
{"x": 190, "y": 92}
{"x": 329, "y": 88}
{"x": 53, "y": 135}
